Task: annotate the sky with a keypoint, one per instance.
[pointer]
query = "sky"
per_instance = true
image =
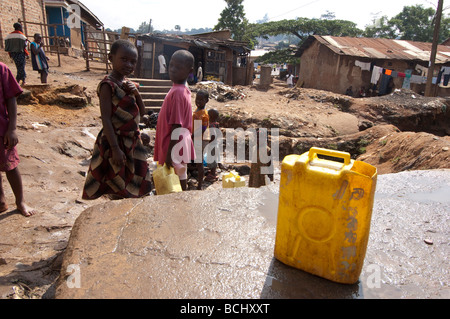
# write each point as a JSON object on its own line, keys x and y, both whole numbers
{"x": 190, "y": 14}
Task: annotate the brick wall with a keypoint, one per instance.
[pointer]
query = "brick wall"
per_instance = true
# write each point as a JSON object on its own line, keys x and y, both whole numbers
{"x": 28, "y": 10}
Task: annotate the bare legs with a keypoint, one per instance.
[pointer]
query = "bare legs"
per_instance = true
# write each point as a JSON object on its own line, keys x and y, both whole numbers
{"x": 15, "y": 180}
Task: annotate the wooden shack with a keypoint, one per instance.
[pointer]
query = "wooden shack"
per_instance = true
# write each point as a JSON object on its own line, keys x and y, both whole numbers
{"x": 222, "y": 58}
{"x": 336, "y": 63}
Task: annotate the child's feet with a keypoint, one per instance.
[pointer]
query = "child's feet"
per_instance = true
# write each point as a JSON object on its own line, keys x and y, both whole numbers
{"x": 3, "y": 207}
{"x": 211, "y": 178}
{"x": 25, "y": 210}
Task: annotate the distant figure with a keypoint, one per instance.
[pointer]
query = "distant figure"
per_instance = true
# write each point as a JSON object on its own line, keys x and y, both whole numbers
{"x": 199, "y": 72}
{"x": 175, "y": 117}
{"x": 119, "y": 166}
{"x": 362, "y": 92}
{"x": 290, "y": 80}
{"x": 38, "y": 58}
{"x": 16, "y": 46}
{"x": 349, "y": 91}
{"x": 391, "y": 86}
{"x": 9, "y": 158}
{"x": 200, "y": 114}
{"x": 213, "y": 160}
{"x": 162, "y": 67}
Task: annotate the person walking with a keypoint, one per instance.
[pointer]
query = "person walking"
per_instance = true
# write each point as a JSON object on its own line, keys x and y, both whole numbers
{"x": 16, "y": 46}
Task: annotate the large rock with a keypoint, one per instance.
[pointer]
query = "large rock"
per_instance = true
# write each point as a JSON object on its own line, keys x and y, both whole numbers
{"x": 219, "y": 244}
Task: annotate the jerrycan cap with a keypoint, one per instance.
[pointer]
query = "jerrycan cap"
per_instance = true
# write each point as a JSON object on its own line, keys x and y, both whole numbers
{"x": 314, "y": 160}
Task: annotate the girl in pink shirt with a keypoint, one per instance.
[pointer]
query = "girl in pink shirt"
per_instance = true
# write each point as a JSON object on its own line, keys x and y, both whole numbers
{"x": 175, "y": 119}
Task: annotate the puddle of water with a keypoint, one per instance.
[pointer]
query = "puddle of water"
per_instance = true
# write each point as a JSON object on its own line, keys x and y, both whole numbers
{"x": 440, "y": 195}
{"x": 269, "y": 207}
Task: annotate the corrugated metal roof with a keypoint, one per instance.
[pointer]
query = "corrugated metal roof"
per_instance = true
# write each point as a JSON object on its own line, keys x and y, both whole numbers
{"x": 199, "y": 40}
{"x": 377, "y": 48}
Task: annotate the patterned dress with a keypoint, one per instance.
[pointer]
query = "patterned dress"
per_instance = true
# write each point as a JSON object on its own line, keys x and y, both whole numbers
{"x": 132, "y": 179}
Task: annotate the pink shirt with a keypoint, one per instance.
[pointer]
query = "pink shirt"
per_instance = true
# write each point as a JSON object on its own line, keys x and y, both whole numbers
{"x": 9, "y": 88}
{"x": 176, "y": 109}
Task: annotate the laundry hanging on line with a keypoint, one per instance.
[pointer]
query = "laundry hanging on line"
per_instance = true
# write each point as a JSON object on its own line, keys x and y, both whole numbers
{"x": 365, "y": 66}
{"x": 376, "y": 74}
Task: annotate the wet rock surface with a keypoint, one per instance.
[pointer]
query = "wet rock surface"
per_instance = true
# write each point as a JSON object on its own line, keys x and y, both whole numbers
{"x": 219, "y": 244}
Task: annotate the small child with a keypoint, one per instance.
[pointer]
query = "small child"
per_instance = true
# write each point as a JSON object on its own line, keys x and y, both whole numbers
{"x": 201, "y": 114}
{"x": 175, "y": 117}
{"x": 38, "y": 58}
{"x": 9, "y": 158}
{"x": 119, "y": 165}
{"x": 213, "y": 162}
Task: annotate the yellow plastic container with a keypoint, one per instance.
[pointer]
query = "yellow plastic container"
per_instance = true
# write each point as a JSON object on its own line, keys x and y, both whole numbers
{"x": 324, "y": 214}
{"x": 232, "y": 180}
{"x": 166, "y": 181}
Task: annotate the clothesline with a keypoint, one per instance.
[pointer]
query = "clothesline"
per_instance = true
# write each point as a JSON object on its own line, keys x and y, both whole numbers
{"x": 377, "y": 72}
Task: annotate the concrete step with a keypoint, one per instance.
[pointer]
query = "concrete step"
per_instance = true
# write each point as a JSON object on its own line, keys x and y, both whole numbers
{"x": 156, "y": 89}
{"x": 152, "y": 102}
{"x": 152, "y": 108}
{"x": 153, "y": 92}
{"x": 153, "y": 95}
{"x": 152, "y": 82}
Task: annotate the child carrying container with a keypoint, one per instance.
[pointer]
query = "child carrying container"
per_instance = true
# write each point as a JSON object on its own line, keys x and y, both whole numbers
{"x": 173, "y": 141}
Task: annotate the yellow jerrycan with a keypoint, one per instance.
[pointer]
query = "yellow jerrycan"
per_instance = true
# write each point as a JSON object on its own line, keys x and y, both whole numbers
{"x": 324, "y": 213}
{"x": 166, "y": 181}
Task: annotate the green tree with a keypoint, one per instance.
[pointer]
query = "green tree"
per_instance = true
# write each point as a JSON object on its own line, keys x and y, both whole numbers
{"x": 304, "y": 27}
{"x": 286, "y": 55}
{"x": 380, "y": 28}
{"x": 233, "y": 18}
{"x": 414, "y": 23}
{"x": 144, "y": 27}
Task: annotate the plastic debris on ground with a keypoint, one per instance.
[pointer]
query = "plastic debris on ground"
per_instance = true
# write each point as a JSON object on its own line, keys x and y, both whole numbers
{"x": 219, "y": 91}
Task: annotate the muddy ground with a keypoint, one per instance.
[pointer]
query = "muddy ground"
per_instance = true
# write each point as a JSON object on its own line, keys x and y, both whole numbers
{"x": 400, "y": 132}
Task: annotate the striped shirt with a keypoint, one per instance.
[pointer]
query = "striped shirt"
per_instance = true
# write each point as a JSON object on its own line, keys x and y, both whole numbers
{"x": 15, "y": 42}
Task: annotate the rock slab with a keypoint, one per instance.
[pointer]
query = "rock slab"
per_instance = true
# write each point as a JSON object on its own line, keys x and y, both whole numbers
{"x": 219, "y": 244}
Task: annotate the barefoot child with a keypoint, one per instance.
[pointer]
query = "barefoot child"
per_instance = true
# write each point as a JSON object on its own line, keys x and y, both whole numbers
{"x": 176, "y": 117}
{"x": 201, "y": 115}
{"x": 39, "y": 60}
{"x": 9, "y": 158}
{"x": 119, "y": 165}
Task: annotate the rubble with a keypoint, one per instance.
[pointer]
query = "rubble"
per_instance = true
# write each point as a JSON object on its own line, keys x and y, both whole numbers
{"x": 219, "y": 91}
{"x": 151, "y": 119}
{"x": 73, "y": 96}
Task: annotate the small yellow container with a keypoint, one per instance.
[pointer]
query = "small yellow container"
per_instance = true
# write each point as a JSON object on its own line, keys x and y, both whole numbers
{"x": 232, "y": 180}
{"x": 166, "y": 181}
{"x": 324, "y": 214}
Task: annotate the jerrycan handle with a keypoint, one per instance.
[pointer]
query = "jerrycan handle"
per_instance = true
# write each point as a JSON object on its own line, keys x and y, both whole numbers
{"x": 315, "y": 150}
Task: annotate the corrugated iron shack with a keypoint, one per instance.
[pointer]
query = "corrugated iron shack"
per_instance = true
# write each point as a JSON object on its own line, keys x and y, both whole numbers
{"x": 222, "y": 58}
{"x": 337, "y": 63}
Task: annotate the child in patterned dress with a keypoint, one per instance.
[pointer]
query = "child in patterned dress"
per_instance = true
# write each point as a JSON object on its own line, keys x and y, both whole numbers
{"x": 119, "y": 160}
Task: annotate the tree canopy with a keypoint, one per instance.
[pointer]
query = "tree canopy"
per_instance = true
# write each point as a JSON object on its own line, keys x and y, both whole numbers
{"x": 233, "y": 18}
{"x": 304, "y": 27}
{"x": 414, "y": 23}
